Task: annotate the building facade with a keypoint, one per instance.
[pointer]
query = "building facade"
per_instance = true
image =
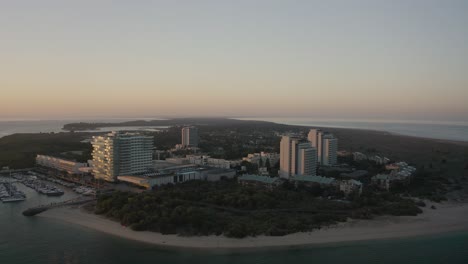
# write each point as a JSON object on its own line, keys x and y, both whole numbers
{"x": 71, "y": 167}
{"x": 271, "y": 157}
{"x": 118, "y": 154}
{"x": 329, "y": 150}
{"x": 296, "y": 158}
{"x": 189, "y": 137}
{"x": 306, "y": 159}
{"x": 315, "y": 138}
{"x": 287, "y": 156}
{"x": 326, "y": 145}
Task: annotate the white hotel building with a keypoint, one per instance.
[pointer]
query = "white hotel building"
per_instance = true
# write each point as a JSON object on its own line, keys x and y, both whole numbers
{"x": 117, "y": 154}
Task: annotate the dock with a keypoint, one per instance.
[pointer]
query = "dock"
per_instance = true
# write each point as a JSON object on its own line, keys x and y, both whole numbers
{"x": 41, "y": 208}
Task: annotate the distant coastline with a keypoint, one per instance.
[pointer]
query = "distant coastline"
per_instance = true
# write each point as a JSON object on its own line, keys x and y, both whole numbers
{"x": 453, "y": 132}
{"x": 447, "y": 217}
{"x": 456, "y": 131}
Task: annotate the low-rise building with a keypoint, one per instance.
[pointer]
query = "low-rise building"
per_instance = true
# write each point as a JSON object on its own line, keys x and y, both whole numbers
{"x": 272, "y": 158}
{"x": 204, "y": 160}
{"x": 71, "y": 167}
{"x": 358, "y": 156}
{"x": 217, "y": 174}
{"x": 151, "y": 180}
{"x": 401, "y": 174}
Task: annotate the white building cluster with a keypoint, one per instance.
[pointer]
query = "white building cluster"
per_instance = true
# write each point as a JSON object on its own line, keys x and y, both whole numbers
{"x": 358, "y": 156}
{"x": 400, "y": 173}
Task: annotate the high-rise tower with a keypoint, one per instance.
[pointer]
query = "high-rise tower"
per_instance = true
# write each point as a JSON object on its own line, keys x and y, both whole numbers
{"x": 117, "y": 154}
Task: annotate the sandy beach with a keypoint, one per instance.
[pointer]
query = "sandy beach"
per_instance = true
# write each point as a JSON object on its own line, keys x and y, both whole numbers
{"x": 446, "y": 218}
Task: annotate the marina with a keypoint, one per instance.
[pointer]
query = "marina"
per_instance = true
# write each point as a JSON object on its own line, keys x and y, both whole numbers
{"x": 9, "y": 193}
{"x": 38, "y": 183}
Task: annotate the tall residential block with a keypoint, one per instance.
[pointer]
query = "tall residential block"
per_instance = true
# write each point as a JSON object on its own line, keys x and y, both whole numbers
{"x": 190, "y": 137}
{"x": 121, "y": 154}
{"x": 329, "y": 150}
{"x": 315, "y": 138}
{"x": 306, "y": 159}
{"x": 327, "y": 146}
{"x": 296, "y": 158}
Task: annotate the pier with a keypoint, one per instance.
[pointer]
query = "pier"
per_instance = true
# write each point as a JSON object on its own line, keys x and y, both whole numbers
{"x": 41, "y": 208}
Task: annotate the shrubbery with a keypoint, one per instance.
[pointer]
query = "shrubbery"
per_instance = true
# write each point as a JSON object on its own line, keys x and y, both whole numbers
{"x": 225, "y": 207}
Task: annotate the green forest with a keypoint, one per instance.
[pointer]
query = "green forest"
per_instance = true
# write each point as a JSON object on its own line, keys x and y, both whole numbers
{"x": 199, "y": 208}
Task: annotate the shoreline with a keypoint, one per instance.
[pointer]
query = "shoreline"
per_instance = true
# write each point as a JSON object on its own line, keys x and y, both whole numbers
{"x": 446, "y": 218}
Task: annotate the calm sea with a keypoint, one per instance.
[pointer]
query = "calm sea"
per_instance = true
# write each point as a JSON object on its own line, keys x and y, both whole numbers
{"x": 48, "y": 126}
{"x": 40, "y": 240}
{"x": 439, "y": 130}
{"x": 436, "y": 129}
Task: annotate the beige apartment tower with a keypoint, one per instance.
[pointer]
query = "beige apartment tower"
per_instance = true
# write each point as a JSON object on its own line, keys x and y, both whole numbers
{"x": 296, "y": 158}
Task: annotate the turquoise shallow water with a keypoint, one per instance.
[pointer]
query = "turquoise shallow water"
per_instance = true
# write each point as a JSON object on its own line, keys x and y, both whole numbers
{"x": 48, "y": 241}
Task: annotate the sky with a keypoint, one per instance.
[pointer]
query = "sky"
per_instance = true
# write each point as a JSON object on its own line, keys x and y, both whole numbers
{"x": 370, "y": 59}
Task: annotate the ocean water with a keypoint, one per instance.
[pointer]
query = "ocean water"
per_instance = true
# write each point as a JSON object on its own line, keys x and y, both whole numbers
{"x": 457, "y": 131}
{"x": 39, "y": 240}
{"x": 439, "y": 130}
{"x": 48, "y": 126}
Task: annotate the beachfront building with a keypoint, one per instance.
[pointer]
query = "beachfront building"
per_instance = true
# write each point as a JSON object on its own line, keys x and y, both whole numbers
{"x": 119, "y": 153}
{"x": 71, "y": 167}
{"x": 189, "y": 137}
{"x": 296, "y": 158}
{"x": 400, "y": 174}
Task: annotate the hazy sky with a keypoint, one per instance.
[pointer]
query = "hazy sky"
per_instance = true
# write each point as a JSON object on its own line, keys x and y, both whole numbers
{"x": 403, "y": 59}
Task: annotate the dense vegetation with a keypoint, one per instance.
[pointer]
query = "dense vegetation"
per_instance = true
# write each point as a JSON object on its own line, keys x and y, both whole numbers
{"x": 20, "y": 150}
{"x": 205, "y": 208}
